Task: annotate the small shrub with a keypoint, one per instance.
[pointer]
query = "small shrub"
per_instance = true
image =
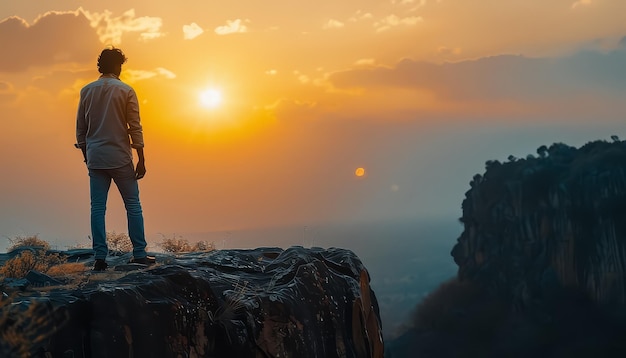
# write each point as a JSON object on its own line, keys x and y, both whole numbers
{"x": 175, "y": 244}
{"x": 27, "y": 260}
{"x": 118, "y": 243}
{"x": 203, "y": 246}
{"x": 26, "y": 241}
{"x": 178, "y": 244}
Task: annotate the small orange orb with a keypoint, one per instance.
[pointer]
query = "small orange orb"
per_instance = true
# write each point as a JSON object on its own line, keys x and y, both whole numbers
{"x": 359, "y": 172}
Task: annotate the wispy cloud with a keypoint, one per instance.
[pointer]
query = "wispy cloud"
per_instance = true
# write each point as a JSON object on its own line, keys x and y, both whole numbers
{"x": 7, "y": 92}
{"x": 137, "y": 75}
{"x": 110, "y": 29}
{"x": 5, "y": 87}
{"x": 333, "y": 24}
{"x": 232, "y": 27}
{"x": 360, "y": 15}
{"x": 581, "y": 3}
{"x": 392, "y": 21}
{"x": 302, "y": 78}
{"x": 192, "y": 31}
{"x": 446, "y": 51}
{"x": 365, "y": 62}
{"x": 416, "y": 4}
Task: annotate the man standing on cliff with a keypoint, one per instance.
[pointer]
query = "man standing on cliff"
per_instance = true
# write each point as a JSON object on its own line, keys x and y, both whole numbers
{"x": 107, "y": 128}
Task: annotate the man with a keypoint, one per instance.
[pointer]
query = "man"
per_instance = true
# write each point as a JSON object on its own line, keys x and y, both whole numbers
{"x": 107, "y": 127}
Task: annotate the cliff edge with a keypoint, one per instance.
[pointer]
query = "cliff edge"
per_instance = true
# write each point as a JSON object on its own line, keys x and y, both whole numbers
{"x": 266, "y": 302}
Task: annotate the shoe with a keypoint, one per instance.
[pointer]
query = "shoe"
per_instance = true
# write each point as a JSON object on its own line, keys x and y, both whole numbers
{"x": 100, "y": 265}
{"x": 148, "y": 260}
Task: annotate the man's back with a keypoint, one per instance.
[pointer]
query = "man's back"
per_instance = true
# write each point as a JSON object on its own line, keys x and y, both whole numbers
{"x": 108, "y": 113}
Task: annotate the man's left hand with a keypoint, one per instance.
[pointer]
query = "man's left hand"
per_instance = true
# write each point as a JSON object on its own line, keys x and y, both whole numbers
{"x": 140, "y": 171}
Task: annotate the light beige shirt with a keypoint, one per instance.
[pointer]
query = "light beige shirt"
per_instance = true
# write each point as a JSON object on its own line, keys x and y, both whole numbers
{"x": 108, "y": 122}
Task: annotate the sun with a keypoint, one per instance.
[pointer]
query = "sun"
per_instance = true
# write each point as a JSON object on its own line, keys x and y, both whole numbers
{"x": 210, "y": 98}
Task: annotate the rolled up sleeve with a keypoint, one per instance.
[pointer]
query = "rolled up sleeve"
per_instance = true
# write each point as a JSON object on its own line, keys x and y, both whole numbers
{"x": 133, "y": 121}
{"x": 81, "y": 125}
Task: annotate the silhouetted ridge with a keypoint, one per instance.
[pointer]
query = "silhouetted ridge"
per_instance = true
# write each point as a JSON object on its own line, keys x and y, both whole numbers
{"x": 555, "y": 220}
{"x": 542, "y": 262}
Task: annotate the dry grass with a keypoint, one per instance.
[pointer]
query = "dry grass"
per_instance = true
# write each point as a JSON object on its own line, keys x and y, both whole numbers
{"x": 38, "y": 260}
{"x": 23, "y": 330}
{"x": 66, "y": 269}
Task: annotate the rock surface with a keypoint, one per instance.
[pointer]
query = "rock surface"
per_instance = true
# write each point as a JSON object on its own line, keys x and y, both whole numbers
{"x": 553, "y": 221}
{"x": 266, "y": 302}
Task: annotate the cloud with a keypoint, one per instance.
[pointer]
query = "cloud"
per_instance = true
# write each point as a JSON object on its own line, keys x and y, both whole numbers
{"x": 417, "y": 4}
{"x": 504, "y": 77}
{"x": 232, "y": 27}
{"x": 404, "y": 2}
{"x": 271, "y": 72}
{"x": 365, "y": 62}
{"x": 138, "y": 75}
{"x": 581, "y": 3}
{"x": 165, "y": 73}
{"x": 446, "y": 51}
{"x": 53, "y": 38}
{"x": 395, "y": 21}
{"x": 7, "y": 92}
{"x": 360, "y": 15}
{"x": 333, "y": 24}
{"x": 302, "y": 78}
{"x": 111, "y": 29}
{"x": 192, "y": 31}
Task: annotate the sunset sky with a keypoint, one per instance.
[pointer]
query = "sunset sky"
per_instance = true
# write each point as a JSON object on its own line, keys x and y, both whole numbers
{"x": 412, "y": 95}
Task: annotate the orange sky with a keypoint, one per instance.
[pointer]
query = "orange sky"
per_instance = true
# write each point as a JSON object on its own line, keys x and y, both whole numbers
{"x": 419, "y": 93}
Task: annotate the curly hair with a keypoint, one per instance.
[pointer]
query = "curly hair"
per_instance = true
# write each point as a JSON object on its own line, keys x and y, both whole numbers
{"x": 111, "y": 60}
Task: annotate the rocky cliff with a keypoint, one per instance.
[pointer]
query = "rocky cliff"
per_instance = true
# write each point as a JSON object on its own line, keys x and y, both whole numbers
{"x": 541, "y": 262}
{"x": 266, "y": 302}
{"x": 555, "y": 220}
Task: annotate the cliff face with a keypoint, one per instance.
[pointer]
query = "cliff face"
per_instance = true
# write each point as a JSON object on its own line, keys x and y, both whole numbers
{"x": 557, "y": 220}
{"x": 266, "y": 302}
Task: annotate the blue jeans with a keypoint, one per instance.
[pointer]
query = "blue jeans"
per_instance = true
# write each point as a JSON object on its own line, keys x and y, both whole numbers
{"x": 99, "y": 184}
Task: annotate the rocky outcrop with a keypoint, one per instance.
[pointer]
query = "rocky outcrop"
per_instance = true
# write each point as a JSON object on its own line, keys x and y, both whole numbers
{"x": 266, "y": 302}
{"x": 541, "y": 262}
{"x": 552, "y": 221}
